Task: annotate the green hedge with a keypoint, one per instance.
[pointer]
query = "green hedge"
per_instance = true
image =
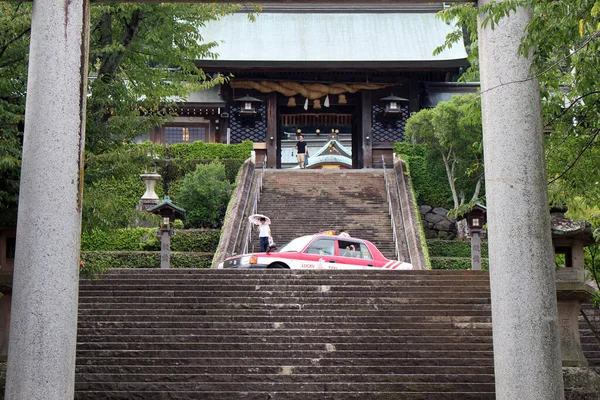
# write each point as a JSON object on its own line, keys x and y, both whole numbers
{"x": 113, "y": 186}
{"x": 453, "y": 248}
{"x": 213, "y": 151}
{"x": 100, "y": 261}
{"x": 145, "y": 239}
{"x": 456, "y": 263}
{"x": 428, "y": 176}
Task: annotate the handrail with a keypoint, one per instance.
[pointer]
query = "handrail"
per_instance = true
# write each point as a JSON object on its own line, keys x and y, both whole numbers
{"x": 253, "y": 209}
{"x": 393, "y": 220}
{"x": 408, "y": 247}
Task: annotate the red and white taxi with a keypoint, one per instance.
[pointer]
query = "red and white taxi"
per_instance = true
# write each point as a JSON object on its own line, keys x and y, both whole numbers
{"x": 320, "y": 251}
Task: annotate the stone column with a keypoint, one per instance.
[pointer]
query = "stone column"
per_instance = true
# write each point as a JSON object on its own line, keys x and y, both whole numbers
{"x": 165, "y": 248}
{"x": 476, "y": 250}
{"x": 43, "y": 332}
{"x": 526, "y": 340}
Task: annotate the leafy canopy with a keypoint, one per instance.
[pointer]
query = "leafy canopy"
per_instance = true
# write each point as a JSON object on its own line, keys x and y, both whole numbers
{"x": 453, "y": 130}
{"x": 141, "y": 62}
{"x": 563, "y": 39}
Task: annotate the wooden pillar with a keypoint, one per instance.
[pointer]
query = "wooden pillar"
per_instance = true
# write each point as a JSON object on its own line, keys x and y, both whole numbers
{"x": 413, "y": 105}
{"x": 271, "y": 139}
{"x": 366, "y": 128}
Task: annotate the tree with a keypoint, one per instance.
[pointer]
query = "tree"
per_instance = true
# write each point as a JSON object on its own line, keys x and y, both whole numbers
{"x": 204, "y": 194}
{"x": 453, "y": 130}
{"x": 141, "y": 62}
{"x": 564, "y": 40}
{"x": 15, "y": 25}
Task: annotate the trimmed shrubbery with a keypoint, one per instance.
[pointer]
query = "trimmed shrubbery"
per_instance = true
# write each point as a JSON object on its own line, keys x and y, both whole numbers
{"x": 95, "y": 262}
{"x": 204, "y": 194}
{"x": 455, "y": 263}
{"x": 428, "y": 177}
{"x": 145, "y": 239}
{"x": 454, "y": 248}
{"x": 113, "y": 186}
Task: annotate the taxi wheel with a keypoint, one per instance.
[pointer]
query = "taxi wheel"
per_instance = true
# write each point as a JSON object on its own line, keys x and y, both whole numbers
{"x": 278, "y": 266}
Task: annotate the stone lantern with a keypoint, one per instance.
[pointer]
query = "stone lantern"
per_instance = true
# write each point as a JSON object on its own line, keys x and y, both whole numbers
{"x": 168, "y": 212}
{"x": 569, "y": 238}
{"x": 149, "y": 198}
{"x": 476, "y": 219}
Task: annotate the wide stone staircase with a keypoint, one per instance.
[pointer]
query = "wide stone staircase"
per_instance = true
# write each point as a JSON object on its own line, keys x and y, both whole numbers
{"x": 304, "y": 202}
{"x": 281, "y": 334}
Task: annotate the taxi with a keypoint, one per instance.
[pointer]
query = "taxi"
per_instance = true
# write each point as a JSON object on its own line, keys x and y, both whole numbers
{"x": 320, "y": 251}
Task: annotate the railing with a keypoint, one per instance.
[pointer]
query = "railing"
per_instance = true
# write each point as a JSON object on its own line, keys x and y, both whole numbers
{"x": 408, "y": 247}
{"x": 390, "y": 210}
{"x": 255, "y": 199}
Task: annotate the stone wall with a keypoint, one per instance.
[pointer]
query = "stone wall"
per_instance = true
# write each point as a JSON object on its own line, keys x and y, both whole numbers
{"x": 436, "y": 223}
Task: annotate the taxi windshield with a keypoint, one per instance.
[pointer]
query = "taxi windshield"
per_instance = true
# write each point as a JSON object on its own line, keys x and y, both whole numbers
{"x": 295, "y": 245}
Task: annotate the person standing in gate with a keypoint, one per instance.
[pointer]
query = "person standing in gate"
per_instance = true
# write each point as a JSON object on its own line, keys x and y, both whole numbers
{"x": 264, "y": 234}
{"x": 302, "y": 150}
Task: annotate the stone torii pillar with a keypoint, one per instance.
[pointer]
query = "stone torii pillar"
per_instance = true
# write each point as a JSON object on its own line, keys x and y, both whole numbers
{"x": 527, "y": 355}
{"x": 43, "y": 331}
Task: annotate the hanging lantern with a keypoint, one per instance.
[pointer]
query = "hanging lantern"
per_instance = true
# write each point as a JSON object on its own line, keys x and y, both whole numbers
{"x": 392, "y": 104}
{"x": 248, "y": 104}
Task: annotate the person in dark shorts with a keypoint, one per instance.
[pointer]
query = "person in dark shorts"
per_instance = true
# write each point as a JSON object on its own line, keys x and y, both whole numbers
{"x": 302, "y": 149}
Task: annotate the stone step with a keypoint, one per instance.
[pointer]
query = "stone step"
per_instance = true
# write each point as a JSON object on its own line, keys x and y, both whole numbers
{"x": 314, "y": 386}
{"x": 281, "y": 319}
{"x": 252, "y": 362}
{"x": 279, "y": 369}
{"x": 293, "y": 377}
{"x": 262, "y": 284}
{"x": 272, "y": 347}
{"x": 278, "y": 313}
{"x": 358, "y": 338}
{"x": 292, "y": 290}
{"x": 284, "y": 395}
{"x": 461, "y": 330}
{"x": 278, "y": 325}
{"x": 282, "y": 302}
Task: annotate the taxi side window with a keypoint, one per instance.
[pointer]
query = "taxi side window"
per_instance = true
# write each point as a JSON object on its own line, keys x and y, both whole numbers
{"x": 353, "y": 249}
{"x": 322, "y": 247}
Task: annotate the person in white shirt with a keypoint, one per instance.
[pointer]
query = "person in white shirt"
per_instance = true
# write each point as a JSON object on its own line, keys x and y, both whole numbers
{"x": 343, "y": 233}
{"x": 264, "y": 233}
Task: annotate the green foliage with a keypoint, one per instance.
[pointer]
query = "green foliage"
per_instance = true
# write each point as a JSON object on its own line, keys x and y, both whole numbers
{"x": 142, "y": 56}
{"x": 96, "y": 262}
{"x": 113, "y": 186}
{"x": 15, "y": 21}
{"x": 204, "y": 195}
{"x": 141, "y": 62}
{"x": 453, "y": 130}
{"x": 146, "y": 239}
{"x": 563, "y": 40}
{"x": 456, "y": 263}
{"x": 453, "y": 248}
{"x": 427, "y": 175}
{"x": 132, "y": 239}
{"x": 213, "y": 151}
{"x": 110, "y": 203}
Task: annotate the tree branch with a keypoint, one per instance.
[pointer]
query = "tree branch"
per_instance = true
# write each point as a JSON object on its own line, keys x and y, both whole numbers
{"x": 576, "y": 158}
